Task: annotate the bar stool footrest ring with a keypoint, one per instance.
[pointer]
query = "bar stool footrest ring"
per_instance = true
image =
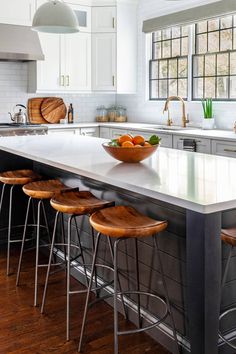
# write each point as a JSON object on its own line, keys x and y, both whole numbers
{"x": 225, "y": 313}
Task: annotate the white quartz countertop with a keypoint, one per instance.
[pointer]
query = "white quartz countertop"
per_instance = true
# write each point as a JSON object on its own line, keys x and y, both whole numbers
{"x": 199, "y": 182}
{"x": 155, "y": 128}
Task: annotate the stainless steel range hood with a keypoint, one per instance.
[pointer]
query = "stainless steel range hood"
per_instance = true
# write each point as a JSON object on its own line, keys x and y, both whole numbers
{"x": 19, "y": 43}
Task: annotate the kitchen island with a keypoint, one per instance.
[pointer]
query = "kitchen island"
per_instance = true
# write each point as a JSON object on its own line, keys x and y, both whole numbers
{"x": 196, "y": 193}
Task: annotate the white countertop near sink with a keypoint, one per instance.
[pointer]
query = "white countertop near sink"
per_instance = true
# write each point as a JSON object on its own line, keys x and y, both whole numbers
{"x": 188, "y": 132}
{"x": 199, "y": 182}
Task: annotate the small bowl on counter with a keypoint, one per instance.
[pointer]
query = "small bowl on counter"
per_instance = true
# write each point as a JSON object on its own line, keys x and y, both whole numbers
{"x": 130, "y": 154}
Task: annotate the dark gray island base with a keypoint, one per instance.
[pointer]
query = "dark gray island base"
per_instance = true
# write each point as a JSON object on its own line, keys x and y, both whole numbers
{"x": 191, "y": 256}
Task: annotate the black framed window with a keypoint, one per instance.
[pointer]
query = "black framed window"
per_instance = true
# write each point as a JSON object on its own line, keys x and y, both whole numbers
{"x": 214, "y": 62}
{"x": 168, "y": 67}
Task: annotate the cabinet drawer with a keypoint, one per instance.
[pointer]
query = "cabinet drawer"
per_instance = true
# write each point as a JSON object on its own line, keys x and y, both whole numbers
{"x": 89, "y": 131}
{"x": 223, "y": 148}
{"x": 202, "y": 145}
{"x": 61, "y": 131}
{"x": 115, "y": 133}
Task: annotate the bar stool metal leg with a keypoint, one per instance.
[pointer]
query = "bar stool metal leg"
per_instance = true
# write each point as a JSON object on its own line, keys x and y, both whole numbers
{"x": 89, "y": 290}
{"x": 9, "y": 230}
{"x": 116, "y": 343}
{"x": 138, "y": 282}
{"x": 166, "y": 295}
{"x": 23, "y": 242}
{"x": 2, "y": 196}
{"x": 81, "y": 252}
{"x": 37, "y": 254}
{"x": 50, "y": 261}
{"x": 68, "y": 281}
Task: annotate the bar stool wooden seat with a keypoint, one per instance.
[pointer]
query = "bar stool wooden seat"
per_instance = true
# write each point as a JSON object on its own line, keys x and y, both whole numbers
{"x": 228, "y": 236}
{"x": 123, "y": 223}
{"x": 74, "y": 203}
{"x": 39, "y": 191}
{"x": 12, "y": 179}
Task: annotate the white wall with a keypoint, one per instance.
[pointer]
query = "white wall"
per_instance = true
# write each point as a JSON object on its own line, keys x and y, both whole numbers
{"x": 139, "y": 109}
{"x": 13, "y": 90}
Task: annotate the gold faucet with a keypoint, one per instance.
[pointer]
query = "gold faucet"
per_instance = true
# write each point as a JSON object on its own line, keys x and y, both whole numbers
{"x": 166, "y": 108}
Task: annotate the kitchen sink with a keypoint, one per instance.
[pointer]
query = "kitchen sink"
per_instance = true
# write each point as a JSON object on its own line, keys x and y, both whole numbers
{"x": 167, "y": 128}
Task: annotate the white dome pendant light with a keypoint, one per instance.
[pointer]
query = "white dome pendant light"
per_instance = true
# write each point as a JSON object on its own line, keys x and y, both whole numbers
{"x": 55, "y": 17}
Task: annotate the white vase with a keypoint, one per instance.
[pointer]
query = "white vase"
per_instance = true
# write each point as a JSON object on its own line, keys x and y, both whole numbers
{"x": 208, "y": 123}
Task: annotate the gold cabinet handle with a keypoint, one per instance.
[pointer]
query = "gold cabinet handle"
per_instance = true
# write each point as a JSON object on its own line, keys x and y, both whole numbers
{"x": 62, "y": 80}
{"x": 229, "y": 150}
{"x": 113, "y": 22}
{"x": 113, "y": 80}
{"x": 67, "y": 80}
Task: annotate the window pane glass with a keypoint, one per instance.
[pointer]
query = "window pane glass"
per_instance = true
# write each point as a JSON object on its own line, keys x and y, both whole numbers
{"x": 157, "y": 51}
{"x": 213, "y": 25}
{"x": 173, "y": 87}
{"x": 222, "y": 87}
{"x": 163, "y": 69}
{"x": 163, "y": 89}
{"x": 201, "y": 26}
{"x": 201, "y": 43}
{"x": 233, "y": 87}
{"x": 213, "y": 42}
{"x": 222, "y": 64}
{"x": 226, "y": 22}
{"x": 173, "y": 68}
{"x": 233, "y": 63}
{"x": 166, "y": 34}
{"x": 183, "y": 88}
{"x": 198, "y": 88}
{"x": 175, "y": 32}
{"x": 185, "y": 30}
{"x": 154, "y": 70}
{"x": 198, "y": 65}
{"x": 210, "y": 86}
{"x": 210, "y": 65}
{"x": 234, "y": 39}
{"x": 157, "y": 36}
{"x": 183, "y": 67}
{"x": 175, "y": 47}
{"x": 166, "y": 49}
{"x": 226, "y": 37}
{"x": 154, "y": 89}
{"x": 184, "y": 49}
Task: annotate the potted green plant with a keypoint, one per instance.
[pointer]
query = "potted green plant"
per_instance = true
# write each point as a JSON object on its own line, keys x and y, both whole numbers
{"x": 208, "y": 121}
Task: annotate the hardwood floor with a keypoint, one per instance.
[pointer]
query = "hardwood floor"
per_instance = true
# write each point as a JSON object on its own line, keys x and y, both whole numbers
{"x": 24, "y": 330}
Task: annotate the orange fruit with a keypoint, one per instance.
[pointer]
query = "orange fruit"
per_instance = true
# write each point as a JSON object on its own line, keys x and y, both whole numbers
{"x": 124, "y": 138}
{"x": 146, "y": 143}
{"x": 138, "y": 140}
{"x": 127, "y": 144}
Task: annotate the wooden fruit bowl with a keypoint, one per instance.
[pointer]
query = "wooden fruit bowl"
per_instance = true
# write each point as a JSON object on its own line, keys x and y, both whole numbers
{"x": 130, "y": 154}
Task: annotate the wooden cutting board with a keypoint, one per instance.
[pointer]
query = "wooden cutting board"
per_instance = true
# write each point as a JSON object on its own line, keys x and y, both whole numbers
{"x": 53, "y": 109}
{"x": 34, "y": 111}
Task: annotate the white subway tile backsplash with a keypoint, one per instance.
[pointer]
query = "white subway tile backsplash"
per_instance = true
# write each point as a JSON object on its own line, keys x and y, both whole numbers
{"x": 13, "y": 90}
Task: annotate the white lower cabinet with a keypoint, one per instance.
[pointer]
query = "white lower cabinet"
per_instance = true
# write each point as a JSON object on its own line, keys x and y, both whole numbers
{"x": 202, "y": 145}
{"x": 166, "y": 139}
{"x": 223, "y": 148}
{"x": 104, "y": 133}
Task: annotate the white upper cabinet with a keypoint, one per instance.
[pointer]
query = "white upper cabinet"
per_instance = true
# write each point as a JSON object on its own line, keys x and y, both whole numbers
{"x": 104, "y": 19}
{"x": 77, "y": 58}
{"x": 104, "y": 62}
{"x": 17, "y": 12}
{"x": 83, "y": 14}
{"x": 114, "y": 48}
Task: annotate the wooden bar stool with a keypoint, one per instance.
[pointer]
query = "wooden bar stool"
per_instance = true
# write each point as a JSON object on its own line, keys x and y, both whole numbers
{"x": 13, "y": 179}
{"x": 228, "y": 236}
{"x": 75, "y": 203}
{"x": 39, "y": 191}
{"x": 123, "y": 223}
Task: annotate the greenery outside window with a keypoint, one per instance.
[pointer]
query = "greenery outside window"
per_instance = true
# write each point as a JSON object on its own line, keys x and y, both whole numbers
{"x": 169, "y": 63}
{"x": 214, "y": 62}
{"x": 211, "y": 59}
